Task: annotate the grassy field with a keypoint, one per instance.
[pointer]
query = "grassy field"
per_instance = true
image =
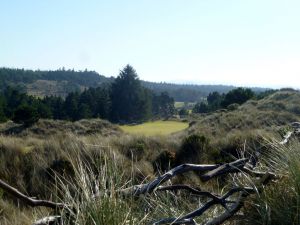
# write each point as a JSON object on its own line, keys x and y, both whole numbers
{"x": 178, "y": 104}
{"x": 155, "y": 128}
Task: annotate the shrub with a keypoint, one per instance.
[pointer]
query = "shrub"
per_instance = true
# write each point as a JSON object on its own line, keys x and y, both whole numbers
{"x": 164, "y": 161}
{"x": 136, "y": 150}
{"x": 25, "y": 115}
{"x": 192, "y": 149}
{"x": 233, "y": 106}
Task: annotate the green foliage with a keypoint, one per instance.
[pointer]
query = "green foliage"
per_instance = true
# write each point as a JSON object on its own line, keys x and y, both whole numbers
{"x": 183, "y": 112}
{"x": 25, "y": 115}
{"x": 163, "y": 105}
{"x": 126, "y": 101}
{"x": 135, "y": 150}
{"x": 214, "y": 100}
{"x": 238, "y": 95}
{"x": 193, "y": 149}
{"x": 233, "y": 106}
{"x": 201, "y": 107}
{"x": 164, "y": 161}
{"x": 130, "y": 102}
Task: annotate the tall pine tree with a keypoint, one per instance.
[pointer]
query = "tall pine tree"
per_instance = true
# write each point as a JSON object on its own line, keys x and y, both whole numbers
{"x": 130, "y": 101}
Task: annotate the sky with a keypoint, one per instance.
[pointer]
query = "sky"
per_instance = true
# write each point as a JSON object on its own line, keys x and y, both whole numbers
{"x": 237, "y": 42}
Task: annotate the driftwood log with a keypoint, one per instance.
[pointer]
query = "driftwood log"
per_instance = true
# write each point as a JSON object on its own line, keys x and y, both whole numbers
{"x": 209, "y": 171}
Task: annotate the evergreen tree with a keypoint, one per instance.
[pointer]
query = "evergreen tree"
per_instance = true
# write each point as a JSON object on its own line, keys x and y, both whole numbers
{"x": 71, "y": 106}
{"x": 129, "y": 101}
{"x": 2, "y": 109}
{"x": 214, "y": 100}
{"x": 238, "y": 95}
{"x": 163, "y": 105}
{"x": 25, "y": 115}
{"x": 201, "y": 107}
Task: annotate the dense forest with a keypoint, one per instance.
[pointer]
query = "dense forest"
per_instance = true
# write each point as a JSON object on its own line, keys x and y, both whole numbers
{"x": 61, "y": 82}
{"x": 124, "y": 100}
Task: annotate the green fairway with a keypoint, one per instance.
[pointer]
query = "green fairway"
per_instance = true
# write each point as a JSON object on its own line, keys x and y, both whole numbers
{"x": 155, "y": 128}
{"x": 178, "y": 105}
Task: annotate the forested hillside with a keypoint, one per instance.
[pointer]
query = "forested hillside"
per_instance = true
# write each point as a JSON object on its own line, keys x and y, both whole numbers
{"x": 125, "y": 101}
{"x": 62, "y": 81}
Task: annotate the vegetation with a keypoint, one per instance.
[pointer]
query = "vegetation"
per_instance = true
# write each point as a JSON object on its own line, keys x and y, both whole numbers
{"x": 125, "y": 101}
{"x": 155, "y": 128}
{"x": 85, "y": 163}
{"x": 61, "y": 82}
{"x": 236, "y": 96}
{"x": 25, "y": 115}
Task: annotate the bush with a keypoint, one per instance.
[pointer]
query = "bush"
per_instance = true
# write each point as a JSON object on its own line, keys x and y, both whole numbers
{"x": 192, "y": 149}
{"x": 26, "y": 115}
{"x": 164, "y": 161}
{"x": 233, "y": 106}
{"x": 136, "y": 150}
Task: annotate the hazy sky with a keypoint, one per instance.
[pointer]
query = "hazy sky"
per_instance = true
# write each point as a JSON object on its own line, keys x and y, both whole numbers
{"x": 240, "y": 42}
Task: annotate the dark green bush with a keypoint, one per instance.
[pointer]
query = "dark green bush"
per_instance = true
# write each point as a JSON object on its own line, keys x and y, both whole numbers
{"x": 164, "y": 161}
{"x": 193, "y": 149}
{"x": 25, "y": 115}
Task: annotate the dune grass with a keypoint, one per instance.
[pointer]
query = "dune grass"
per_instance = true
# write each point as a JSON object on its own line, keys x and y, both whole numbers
{"x": 155, "y": 128}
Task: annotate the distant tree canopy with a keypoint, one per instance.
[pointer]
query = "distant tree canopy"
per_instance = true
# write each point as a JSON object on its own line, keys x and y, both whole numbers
{"x": 66, "y": 81}
{"x": 238, "y": 95}
{"x": 125, "y": 100}
{"x": 217, "y": 101}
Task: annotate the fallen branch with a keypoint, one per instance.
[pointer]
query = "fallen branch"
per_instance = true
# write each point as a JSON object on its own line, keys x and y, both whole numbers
{"x": 211, "y": 171}
{"x": 215, "y": 170}
{"x": 233, "y": 208}
{"x": 28, "y": 200}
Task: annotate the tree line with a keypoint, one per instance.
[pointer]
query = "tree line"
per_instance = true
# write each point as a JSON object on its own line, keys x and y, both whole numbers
{"x": 215, "y": 100}
{"x": 124, "y": 100}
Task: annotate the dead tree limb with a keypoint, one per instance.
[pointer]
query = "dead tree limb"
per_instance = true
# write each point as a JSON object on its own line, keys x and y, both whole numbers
{"x": 289, "y": 134}
{"x": 28, "y": 200}
{"x": 231, "y": 207}
{"x": 232, "y": 167}
{"x": 192, "y": 190}
{"x": 211, "y": 171}
{"x": 216, "y": 170}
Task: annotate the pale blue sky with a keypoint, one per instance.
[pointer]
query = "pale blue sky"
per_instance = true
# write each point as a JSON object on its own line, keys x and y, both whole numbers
{"x": 245, "y": 42}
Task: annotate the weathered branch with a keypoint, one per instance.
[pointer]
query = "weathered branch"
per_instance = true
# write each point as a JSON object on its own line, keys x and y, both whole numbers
{"x": 235, "y": 206}
{"x": 232, "y": 167}
{"x": 150, "y": 187}
{"x": 28, "y": 200}
{"x": 192, "y": 190}
{"x": 244, "y": 192}
{"x": 215, "y": 170}
{"x": 211, "y": 171}
{"x": 288, "y": 135}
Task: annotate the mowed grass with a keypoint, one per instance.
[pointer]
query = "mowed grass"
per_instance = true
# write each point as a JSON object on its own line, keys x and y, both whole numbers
{"x": 155, "y": 128}
{"x": 178, "y": 105}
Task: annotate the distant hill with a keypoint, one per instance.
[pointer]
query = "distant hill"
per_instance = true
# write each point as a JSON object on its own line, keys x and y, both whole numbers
{"x": 276, "y": 110}
{"x": 61, "y": 82}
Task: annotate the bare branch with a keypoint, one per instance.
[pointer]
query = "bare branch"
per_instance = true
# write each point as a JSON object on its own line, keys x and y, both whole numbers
{"x": 150, "y": 187}
{"x": 232, "y": 167}
{"x": 29, "y": 201}
{"x": 192, "y": 190}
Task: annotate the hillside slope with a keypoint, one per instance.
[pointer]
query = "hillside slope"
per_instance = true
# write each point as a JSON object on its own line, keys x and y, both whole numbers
{"x": 61, "y": 82}
{"x": 276, "y": 110}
